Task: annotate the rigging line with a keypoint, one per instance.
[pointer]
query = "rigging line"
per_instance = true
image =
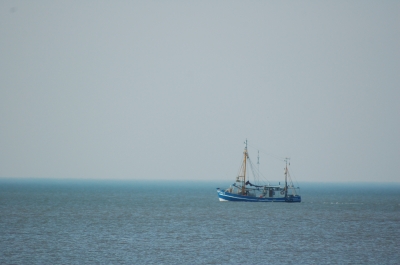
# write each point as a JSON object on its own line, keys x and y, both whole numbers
{"x": 258, "y": 173}
{"x": 240, "y": 168}
{"x": 264, "y": 179}
{"x": 252, "y": 170}
{"x": 297, "y": 183}
{"x": 281, "y": 158}
{"x": 292, "y": 187}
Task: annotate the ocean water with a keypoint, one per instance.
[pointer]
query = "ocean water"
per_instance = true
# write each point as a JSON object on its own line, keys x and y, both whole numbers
{"x": 104, "y": 222}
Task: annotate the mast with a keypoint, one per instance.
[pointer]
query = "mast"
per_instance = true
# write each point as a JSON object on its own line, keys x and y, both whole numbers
{"x": 286, "y": 173}
{"x": 244, "y": 169}
{"x": 258, "y": 167}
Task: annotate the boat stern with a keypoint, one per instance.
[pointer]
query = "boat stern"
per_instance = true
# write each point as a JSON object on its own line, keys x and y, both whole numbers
{"x": 293, "y": 198}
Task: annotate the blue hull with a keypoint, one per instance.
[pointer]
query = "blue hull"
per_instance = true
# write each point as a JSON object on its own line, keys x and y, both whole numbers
{"x": 226, "y": 196}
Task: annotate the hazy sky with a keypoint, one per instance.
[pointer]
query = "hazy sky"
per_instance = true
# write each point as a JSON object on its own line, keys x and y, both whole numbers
{"x": 171, "y": 89}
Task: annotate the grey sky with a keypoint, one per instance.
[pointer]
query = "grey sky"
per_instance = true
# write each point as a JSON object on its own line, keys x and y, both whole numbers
{"x": 171, "y": 89}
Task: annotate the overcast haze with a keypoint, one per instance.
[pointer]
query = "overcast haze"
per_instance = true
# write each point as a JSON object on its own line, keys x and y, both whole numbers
{"x": 171, "y": 89}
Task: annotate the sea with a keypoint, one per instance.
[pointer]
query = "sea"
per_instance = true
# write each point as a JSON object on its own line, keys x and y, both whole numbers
{"x": 172, "y": 222}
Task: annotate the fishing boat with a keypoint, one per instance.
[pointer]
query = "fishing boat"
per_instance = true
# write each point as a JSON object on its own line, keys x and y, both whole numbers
{"x": 243, "y": 190}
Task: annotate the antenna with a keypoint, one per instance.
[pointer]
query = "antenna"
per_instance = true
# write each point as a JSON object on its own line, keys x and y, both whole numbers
{"x": 258, "y": 165}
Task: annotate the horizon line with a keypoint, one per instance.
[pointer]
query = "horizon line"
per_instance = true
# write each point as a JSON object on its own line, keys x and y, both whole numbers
{"x": 172, "y": 180}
